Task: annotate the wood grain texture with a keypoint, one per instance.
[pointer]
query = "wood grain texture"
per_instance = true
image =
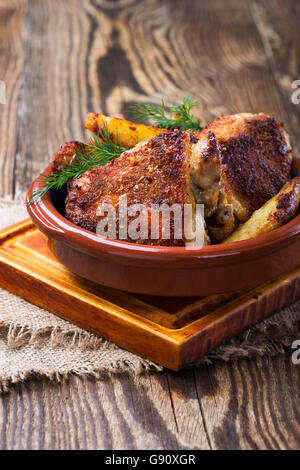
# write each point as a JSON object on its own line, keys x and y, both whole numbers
{"x": 73, "y": 57}
{"x": 240, "y": 405}
{"x": 62, "y": 59}
{"x": 277, "y": 23}
{"x": 12, "y": 31}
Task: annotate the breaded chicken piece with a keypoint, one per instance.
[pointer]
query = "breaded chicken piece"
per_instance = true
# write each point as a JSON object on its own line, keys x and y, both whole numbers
{"x": 239, "y": 162}
{"x": 153, "y": 172}
{"x": 233, "y": 167}
{"x": 65, "y": 154}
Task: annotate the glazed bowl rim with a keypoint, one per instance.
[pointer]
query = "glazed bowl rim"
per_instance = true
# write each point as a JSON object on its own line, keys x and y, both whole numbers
{"x": 45, "y": 215}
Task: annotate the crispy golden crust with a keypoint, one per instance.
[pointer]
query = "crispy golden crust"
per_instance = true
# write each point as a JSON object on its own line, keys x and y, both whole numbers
{"x": 154, "y": 172}
{"x": 238, "y": 163}
{"x": 255, "y": 159}
{"x": 65, "y": 154}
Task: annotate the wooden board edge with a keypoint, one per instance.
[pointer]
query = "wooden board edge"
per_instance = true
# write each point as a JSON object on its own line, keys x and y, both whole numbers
{"x": 154, "y": 344}
{"x": 233, "y": 322}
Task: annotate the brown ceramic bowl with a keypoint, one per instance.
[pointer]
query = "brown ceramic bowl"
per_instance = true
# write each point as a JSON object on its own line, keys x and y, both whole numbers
{"x": 166, "y": 271}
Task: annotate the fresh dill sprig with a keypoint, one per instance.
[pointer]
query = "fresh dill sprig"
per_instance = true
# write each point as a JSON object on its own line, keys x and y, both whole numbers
{"x": 182, "y": 117}
{"x": 103, "y": 148}
{"x": 97, "y": 152}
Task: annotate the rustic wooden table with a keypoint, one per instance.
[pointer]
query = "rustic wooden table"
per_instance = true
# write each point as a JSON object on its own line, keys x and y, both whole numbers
{"x": 63, "y": 58}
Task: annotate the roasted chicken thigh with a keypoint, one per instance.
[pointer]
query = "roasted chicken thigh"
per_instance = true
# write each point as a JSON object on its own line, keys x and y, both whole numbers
{"x": 238, "y": 163}
{"x": 153, "y": 172}
{"x": 233, "y": 167}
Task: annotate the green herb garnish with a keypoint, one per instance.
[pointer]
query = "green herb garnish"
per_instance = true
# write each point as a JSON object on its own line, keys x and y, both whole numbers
{"x": 97, "y": 152}
{"x": 101, "y": 149}
{"x": 182, "y": 117}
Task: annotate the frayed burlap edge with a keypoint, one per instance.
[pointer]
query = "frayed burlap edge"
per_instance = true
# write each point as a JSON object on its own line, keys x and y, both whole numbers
{"x": 125, "y": 366}
{"x": 272, "y": 337}
{"x": 19, "y": 337}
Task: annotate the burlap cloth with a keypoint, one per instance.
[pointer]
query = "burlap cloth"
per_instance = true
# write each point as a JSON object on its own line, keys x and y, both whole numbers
{"x": 33, "y": 341}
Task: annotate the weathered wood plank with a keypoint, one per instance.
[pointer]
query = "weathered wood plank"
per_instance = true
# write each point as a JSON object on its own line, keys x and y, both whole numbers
{"x": 63, "y": 59}
{"x": 54, "y": 92}
{"x": 250, "y": 404}
{"x": 278, "y": 23}
{"x": 188, "y": 410}
{"x": 245, "y": 404}
{"x": 12, "y": 15}
{"x": 82, "y": 57}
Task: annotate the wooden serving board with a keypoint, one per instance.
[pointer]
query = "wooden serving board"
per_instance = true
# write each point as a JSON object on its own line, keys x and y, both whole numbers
{"x": 173, "y": 332}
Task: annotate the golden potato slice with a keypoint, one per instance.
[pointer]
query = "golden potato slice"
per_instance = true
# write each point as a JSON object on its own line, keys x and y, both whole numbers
{"x": 127, "y": 133}
{"x": 274, "y": 213}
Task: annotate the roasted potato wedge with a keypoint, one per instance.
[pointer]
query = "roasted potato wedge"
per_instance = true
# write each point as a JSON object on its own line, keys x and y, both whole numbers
{"x": 274, "y": 213}
{"x": 127, "y": 133}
